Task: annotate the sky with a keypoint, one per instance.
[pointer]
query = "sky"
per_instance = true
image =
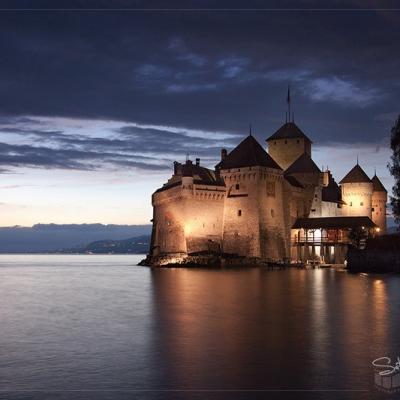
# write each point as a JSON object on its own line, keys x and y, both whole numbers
{"x": 96, "y": 103}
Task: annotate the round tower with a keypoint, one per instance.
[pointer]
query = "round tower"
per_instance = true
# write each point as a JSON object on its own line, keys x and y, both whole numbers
{"x": 379, "y": 200}
{"x": 357, "y": 191}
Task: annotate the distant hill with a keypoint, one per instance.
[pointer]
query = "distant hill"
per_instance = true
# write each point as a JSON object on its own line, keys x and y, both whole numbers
{"x": 136, "y": 245}
{"x": 52, "y": 237}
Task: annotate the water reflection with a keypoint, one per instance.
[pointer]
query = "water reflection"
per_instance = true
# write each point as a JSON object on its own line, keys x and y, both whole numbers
{"x": 260, "y": 329}
{"x": 103, "y": 324}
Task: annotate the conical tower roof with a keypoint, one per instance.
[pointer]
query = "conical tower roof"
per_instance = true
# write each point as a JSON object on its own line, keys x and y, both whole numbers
{"x": 356, "y": 175}
{"x": 248, "y": 153}
{"x": 377, "y": 184}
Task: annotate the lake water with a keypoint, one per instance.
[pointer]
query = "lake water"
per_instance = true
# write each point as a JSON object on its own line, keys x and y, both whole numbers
{"x": 101, "y": 327}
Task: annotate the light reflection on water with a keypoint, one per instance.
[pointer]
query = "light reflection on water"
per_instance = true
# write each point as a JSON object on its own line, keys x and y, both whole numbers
{"x": 101, "y": 323}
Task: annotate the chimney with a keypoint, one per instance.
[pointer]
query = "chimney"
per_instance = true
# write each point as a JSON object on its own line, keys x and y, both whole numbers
{"x": 326, "y": 178}
{"x": 197, "y": 161}
{"x": 224, "y": 153}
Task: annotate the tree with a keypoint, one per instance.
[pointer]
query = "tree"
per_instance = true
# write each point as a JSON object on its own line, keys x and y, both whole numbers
{"x": 394, "y": 168}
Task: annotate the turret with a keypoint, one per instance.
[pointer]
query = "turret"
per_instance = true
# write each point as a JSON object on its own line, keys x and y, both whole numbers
{"x": 287, "y": 144}
{"x": 379, "y": 200}
{"x": 187, "y": 175}
{"x": 357, "y": 191}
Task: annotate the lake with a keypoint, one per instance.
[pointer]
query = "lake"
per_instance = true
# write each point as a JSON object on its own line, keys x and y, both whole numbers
{"x": 101, "y": 327}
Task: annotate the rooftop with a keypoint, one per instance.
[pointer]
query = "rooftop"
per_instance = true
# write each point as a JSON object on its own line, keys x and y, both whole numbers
{"x": 333, "y": 223}
{"x": 356, "y": 175}
{"x": 289, "y": 130}
{"x": 331, "y": 192}
{"x": 377, "y": 184}
{"x": 304, "y": 164}
{"x": 201, "y": 176}
{"x": 248, "y": 153}
{"x": 293, "y": 181}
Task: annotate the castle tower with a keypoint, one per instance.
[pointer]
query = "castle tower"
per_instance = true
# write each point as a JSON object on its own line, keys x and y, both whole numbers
{"x": 357, "y": 191}
{"x": 254, "y": 222}
{"x": 287, "y": 144}
{"x": 379, "y": 200}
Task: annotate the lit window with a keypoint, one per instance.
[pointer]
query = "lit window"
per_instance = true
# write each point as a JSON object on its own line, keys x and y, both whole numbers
{"x": 239, "y": 213}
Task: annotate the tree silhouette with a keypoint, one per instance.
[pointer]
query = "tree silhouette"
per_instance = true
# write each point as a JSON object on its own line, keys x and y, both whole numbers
{"x": 394, "y": 168}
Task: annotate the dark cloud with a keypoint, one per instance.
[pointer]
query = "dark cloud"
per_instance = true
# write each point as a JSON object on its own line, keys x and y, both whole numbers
{"x": 207, "y": 70}
{"x": 127, "y": 146}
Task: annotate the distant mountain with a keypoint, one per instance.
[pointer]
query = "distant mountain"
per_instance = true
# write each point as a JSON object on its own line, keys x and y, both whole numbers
{"x": 52, "y": 237}
{"x": 136, "y": 245}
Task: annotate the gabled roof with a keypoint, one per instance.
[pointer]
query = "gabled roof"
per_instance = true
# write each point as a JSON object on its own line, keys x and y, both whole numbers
{"x": 303, "y": 165}
{"x": 356, "y": 175}
{"x": 289, "y": 130}
{"x": 333, "y": 223}
{"x": 331, "y": 192}
{"x": 377, "y": 184}
{"x": 248, "y": 153}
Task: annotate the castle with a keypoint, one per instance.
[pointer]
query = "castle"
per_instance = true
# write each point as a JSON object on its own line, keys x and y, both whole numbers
{"x": 264, "y": 205}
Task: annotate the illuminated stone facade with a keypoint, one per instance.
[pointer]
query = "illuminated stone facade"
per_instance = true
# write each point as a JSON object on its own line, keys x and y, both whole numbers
{"x": 247, "y": 205}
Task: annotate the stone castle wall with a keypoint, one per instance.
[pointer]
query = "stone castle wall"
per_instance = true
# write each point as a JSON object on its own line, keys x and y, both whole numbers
{"x": 187, "y": 219}
{"x": 254, "y": 223}
{"x": 379, "y": 200}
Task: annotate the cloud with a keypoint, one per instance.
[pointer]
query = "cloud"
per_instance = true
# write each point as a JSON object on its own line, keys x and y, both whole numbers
{"x": 74, "y": 146}
{"x": 193, "y": 87}
{"x": 338, "y": 90}
{"x": 233, "y": 66}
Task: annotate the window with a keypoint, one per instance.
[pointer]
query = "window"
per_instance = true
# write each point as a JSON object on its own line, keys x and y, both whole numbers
{"x": 237, "y": 186}
{"x": 270, "y": 187}
{"x": 272, "y": 213}
{"x": 351, "y": 204}
{"x": 361, "y": 204}
{"x": 316, "y": 196}
{"x": 298, "y": 141}
{"x": 239, "y": 213}
{"x": 285, "y": 141}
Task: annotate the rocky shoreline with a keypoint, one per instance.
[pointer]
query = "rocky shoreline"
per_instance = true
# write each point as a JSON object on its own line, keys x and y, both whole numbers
{"x": 209, "y": 261}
